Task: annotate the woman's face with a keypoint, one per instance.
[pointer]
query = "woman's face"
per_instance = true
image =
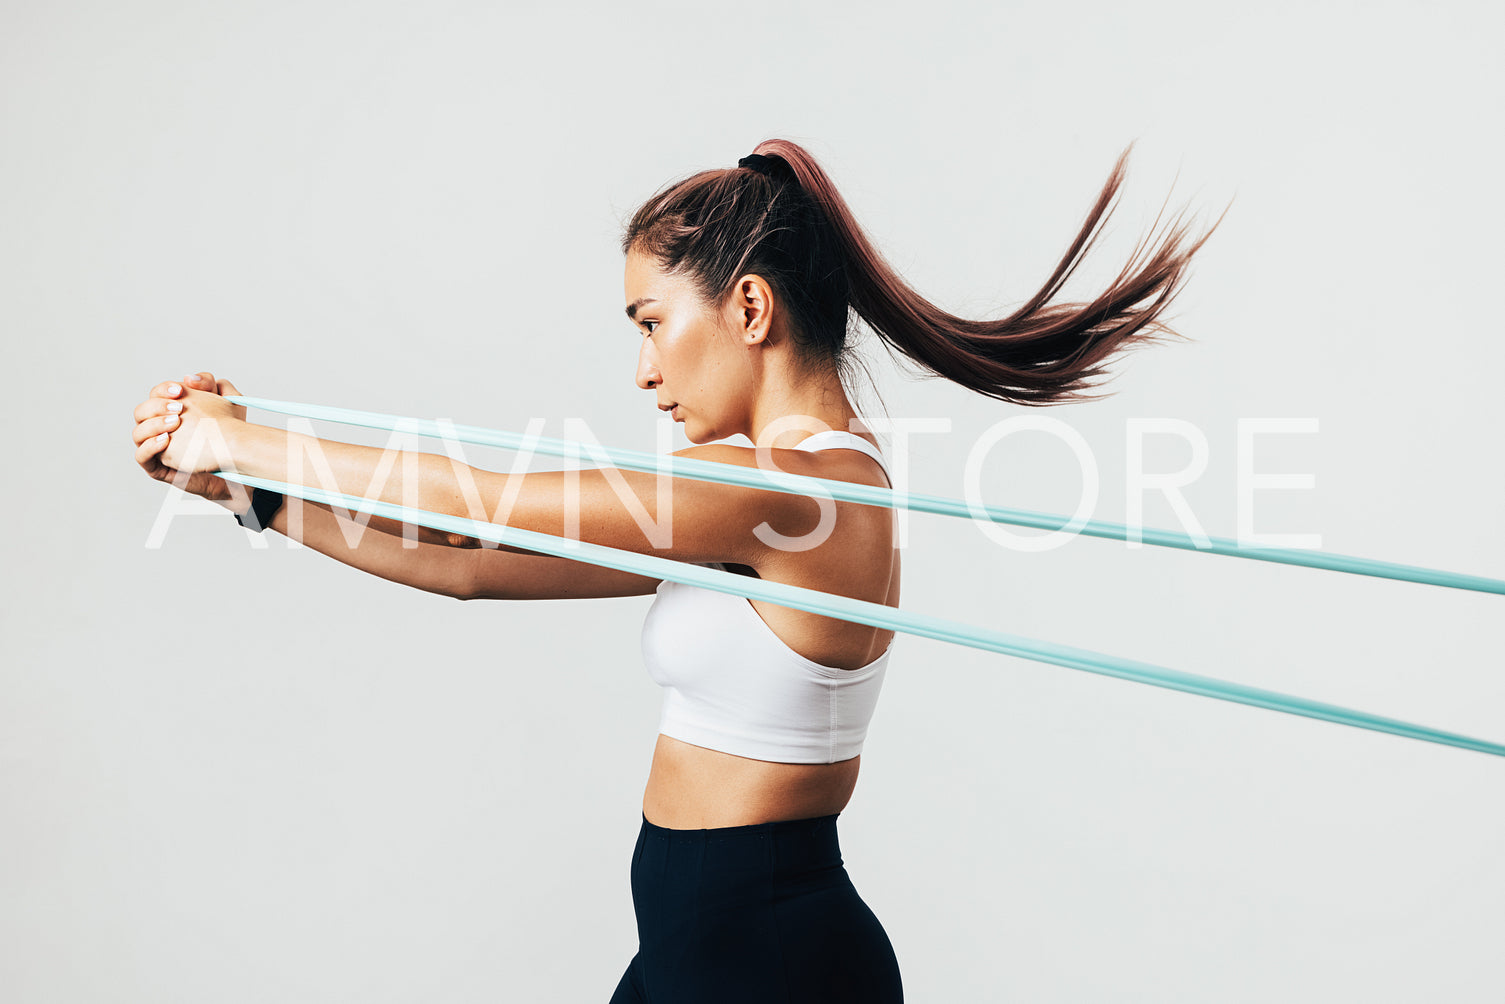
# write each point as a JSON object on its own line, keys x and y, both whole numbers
{"x": 688, "y": 356}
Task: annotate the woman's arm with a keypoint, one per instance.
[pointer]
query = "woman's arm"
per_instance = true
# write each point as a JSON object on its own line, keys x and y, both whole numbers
{"x": 433, "y": 568}
{"x": 682, "y": 519}
{"x": 471, "y": 571}
{"x": 463, "y": 573}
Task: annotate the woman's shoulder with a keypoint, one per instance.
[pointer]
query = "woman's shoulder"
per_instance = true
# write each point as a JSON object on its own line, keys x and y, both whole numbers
{"x": 796, "y": 526}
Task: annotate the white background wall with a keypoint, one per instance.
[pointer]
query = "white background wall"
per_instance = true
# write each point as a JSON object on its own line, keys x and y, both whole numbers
{"x": 236, "y": 773}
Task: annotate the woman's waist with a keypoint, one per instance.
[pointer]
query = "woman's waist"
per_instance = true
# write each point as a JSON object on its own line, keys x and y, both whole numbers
{"x": 693, "y": 788}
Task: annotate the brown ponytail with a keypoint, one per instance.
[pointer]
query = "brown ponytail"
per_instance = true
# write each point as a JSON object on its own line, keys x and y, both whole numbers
{"x": 799, "y": 234}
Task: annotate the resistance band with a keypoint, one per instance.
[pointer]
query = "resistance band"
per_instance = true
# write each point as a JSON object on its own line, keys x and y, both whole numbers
{"x": 875, "y": 614}
{"x": 798, "y": 484}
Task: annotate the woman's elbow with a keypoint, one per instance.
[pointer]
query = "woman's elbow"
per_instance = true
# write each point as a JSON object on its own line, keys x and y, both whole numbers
{"x": 459, "y": 540}
{"x": 445, "y": 538}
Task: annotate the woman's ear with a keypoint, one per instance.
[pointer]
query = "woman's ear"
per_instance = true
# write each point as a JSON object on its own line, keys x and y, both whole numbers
{"x": 752, "y": 309}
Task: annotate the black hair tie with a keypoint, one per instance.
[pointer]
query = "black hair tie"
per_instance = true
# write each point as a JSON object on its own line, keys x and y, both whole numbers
{"x": 771, "y": 167}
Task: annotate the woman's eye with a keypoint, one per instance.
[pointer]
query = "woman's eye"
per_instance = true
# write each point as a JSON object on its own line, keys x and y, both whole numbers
{"x": 650, "y": 325}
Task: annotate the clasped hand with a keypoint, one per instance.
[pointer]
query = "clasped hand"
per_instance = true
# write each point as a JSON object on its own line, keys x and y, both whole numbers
{"x": 183, "y": 431}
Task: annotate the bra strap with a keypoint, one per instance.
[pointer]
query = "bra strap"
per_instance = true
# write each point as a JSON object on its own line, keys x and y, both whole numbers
{"x": 850, "y": 441}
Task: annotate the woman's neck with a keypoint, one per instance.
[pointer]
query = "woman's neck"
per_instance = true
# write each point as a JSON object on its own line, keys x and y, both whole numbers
{"x": 792, "y": 403}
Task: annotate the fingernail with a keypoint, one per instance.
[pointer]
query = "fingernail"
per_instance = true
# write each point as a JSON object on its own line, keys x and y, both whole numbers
{"x": 162, "y": 438}
{"x": 173, "y": 388}
{"x": 170, "y": 420}
{"x": 175, "y": 406}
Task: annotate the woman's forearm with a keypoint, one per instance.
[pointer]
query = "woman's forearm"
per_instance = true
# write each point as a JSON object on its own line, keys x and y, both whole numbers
{"x": 377, "y": 548}
{"x": 621, "y": 509}
{"x": 398, "y": 478}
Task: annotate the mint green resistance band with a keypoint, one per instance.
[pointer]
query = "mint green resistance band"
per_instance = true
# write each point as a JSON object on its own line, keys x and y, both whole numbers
{"x": 846, "y": 491}
{"x": 814, "y": 601}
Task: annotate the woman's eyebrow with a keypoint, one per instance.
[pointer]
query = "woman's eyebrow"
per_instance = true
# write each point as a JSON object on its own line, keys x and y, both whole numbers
{"x": 632, "y": 308}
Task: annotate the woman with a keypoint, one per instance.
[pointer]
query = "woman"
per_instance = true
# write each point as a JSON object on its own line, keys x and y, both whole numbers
{"x": 740, "y": 282}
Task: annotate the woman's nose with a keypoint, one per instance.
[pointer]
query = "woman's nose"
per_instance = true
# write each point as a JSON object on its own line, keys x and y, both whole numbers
{"x": 648, "y": 375}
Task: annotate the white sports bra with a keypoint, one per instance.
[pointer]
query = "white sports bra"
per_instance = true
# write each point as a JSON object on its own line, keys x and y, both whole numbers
{"x": 731, "y": 684}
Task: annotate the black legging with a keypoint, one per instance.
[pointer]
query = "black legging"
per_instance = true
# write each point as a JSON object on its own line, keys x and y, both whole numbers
{"x": 762, "y": 914}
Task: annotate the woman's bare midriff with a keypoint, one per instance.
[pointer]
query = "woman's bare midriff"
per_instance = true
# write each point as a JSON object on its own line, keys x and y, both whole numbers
{"x": 694, "y": 788}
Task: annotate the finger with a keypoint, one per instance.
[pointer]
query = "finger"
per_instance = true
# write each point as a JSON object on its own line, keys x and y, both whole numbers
{"x": 202, "y": 380}
{"x": 148, "y": 429}
{"x": 155, "y": 406}
{"x": 147, "y": 451}
{"x": 227, "y": 389}
{"x": 154, "y": 427}
{"x": 167, "y": 388}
